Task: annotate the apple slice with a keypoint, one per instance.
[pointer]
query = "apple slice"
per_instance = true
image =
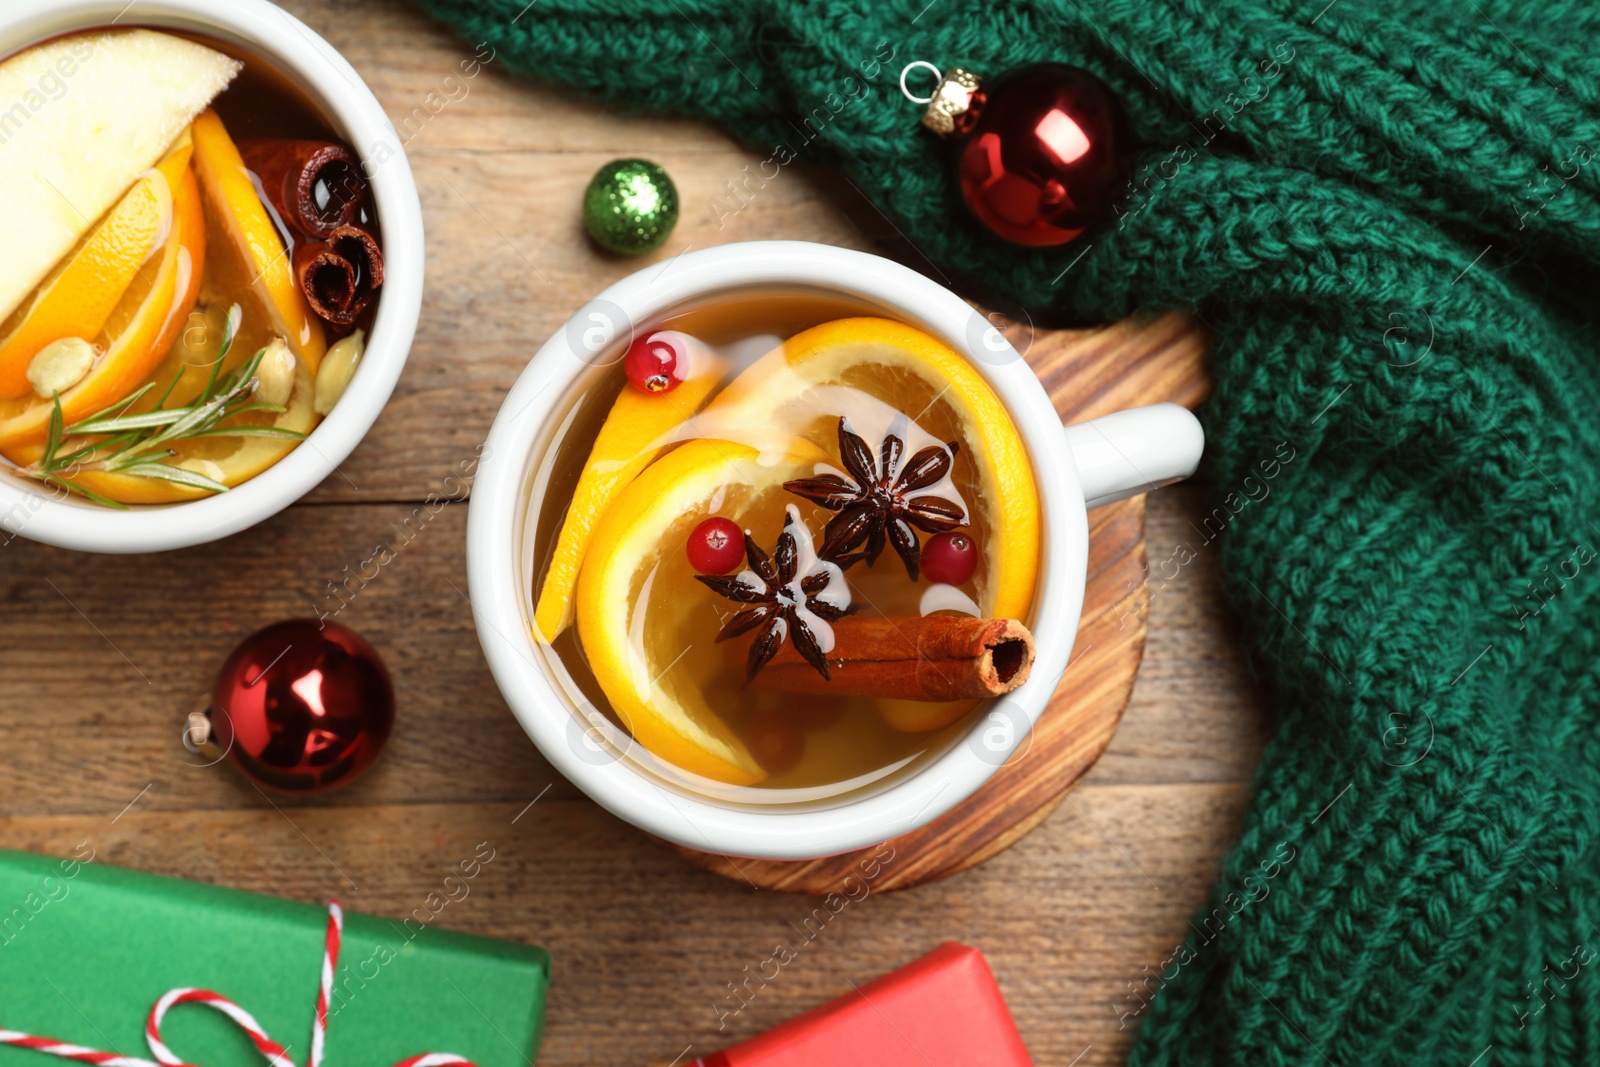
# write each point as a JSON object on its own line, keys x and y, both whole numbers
{"x": 94, "y": 112}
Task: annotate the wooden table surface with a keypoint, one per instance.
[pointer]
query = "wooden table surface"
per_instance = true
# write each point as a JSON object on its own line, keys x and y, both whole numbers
{"x": 101, "y": 657}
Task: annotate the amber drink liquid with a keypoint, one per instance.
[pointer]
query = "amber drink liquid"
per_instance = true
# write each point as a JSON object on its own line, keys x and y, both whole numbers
{"x": 809, "y": 745}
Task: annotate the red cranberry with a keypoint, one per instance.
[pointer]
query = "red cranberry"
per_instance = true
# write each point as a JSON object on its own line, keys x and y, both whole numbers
{"x": 949, "y": 558}
{"x": 775, "y": 741}
{"x": 657, "y": 362}
{"x": 716, "y": 546}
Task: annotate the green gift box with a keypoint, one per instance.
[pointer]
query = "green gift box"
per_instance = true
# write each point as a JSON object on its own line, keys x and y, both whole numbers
{"x": 87, "y": 949}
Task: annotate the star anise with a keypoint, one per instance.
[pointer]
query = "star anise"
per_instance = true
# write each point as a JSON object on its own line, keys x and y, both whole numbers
{"x": 876, "y": 503}
{"x": 787, "y": 602}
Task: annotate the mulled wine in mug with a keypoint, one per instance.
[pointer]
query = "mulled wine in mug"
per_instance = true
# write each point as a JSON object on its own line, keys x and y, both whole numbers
{"x": 769, "y": 543}
{"x": 214, "y": 258}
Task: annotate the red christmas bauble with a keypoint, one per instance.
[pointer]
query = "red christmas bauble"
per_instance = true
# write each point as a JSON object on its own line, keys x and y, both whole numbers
{"x": 303, "y": 705}
{"x": 1047, "y": 151}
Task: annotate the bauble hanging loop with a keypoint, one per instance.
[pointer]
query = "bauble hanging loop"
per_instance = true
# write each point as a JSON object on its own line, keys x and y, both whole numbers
{"x": 1045, "y": 149}
{"x": 950, "y": 107}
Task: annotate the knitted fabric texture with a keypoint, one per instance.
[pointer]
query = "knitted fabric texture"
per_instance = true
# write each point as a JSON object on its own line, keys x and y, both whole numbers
{"x": 1389, "y": 215}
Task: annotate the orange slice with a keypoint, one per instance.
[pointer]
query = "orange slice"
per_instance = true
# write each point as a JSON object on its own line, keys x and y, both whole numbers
{"x": 647, "y": 626}
{"x": 233, "y": 201}
{"x": 917, "y": 374}
{"x": 78, "y": 297}
{"x": 633, "y": 436}
{"x": 137, "y": 333}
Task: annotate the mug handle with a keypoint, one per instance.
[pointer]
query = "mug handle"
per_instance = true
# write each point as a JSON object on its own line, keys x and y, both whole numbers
{"x": 1134, "y": 451}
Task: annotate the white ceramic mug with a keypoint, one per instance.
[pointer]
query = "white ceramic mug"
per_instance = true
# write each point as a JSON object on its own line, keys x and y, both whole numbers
{"x": 268, "y": 32}
{"x": 1077, "y": 468}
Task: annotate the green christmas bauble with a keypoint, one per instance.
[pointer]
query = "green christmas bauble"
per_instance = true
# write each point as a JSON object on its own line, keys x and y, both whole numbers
{"x": 630, "y": 206}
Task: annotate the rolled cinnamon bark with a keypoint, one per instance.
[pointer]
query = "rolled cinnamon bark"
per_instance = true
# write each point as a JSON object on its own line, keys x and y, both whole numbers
{"x": 314, "y": 186}
{"x": 340, "y": 275}
{"x": 932, "y": 657}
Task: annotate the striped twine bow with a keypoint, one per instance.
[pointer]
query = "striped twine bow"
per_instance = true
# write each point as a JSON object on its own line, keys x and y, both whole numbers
{"x": 274, "y": 1053}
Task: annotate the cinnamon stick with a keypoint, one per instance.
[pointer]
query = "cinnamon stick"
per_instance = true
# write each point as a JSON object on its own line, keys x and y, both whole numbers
{"x": 314, "y": 186}
{"x": 340, "y": 275}
{"x": 932, "y": 657}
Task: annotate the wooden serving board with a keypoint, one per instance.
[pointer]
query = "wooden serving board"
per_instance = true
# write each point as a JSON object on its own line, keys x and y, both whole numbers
{"x": 1087, "y": 373}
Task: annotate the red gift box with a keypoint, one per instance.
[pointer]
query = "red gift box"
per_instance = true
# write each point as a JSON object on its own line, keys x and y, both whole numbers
{"x": 944, "y": 1010}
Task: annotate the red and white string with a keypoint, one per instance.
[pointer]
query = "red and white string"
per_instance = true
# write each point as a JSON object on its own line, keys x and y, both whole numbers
{"x": 274, "y": 1053}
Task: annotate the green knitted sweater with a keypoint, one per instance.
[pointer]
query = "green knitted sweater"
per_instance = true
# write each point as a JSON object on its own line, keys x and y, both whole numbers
{"x": 1389, "y": 213}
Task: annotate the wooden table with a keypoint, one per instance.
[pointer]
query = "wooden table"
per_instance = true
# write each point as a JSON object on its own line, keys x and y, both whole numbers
{"x": 101, "y": 657}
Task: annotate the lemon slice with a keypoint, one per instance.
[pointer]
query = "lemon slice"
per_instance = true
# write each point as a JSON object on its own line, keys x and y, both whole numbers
{"x": 232, "y": 199}
{"x": 633, "y": 435}
{"x": 79, "y": 295}
{"x": 787, "y": 391}
{"x": 228, "y": 459}
{"x": 648, "y": 628}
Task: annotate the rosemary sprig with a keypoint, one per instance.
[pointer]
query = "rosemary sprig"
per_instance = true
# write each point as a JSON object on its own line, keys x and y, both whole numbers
{"x": 112, "y": 440}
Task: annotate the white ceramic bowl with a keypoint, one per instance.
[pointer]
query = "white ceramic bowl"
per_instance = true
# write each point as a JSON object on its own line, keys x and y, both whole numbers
{"x": 1086, "y": 465}
{"x": 270, "y": 33}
